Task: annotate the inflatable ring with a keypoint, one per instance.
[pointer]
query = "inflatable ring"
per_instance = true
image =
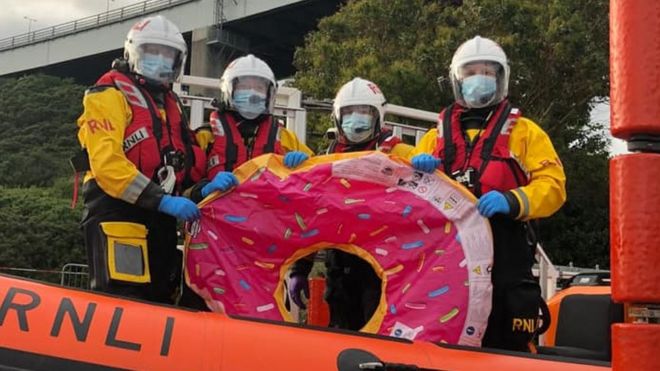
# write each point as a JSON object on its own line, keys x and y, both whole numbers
{"x": 420, "y": 232}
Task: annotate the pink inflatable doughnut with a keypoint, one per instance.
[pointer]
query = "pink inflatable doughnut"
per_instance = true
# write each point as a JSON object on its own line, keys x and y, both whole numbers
{"x": 420, "y": 232}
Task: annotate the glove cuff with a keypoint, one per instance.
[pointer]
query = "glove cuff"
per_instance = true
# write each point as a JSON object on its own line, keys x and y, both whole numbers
{"x": 195, "y": 192}
{"x": 151, "y": 196}
{"x": 514, "y": 204}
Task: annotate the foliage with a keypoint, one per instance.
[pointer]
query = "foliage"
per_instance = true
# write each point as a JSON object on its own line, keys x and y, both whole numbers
{"x": 558, "y": 53}
{"x": 579, "y": 233}
{"x": 37, "y": 122}
{"x": 38, "y": 230}
{"x": 317, "y": 124}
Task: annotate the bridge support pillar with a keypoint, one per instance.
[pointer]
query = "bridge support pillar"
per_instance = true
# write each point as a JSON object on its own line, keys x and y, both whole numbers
{"x": 212, "y": 49}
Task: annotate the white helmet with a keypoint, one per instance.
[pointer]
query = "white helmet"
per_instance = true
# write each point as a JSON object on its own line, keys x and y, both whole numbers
{"x": 359, "y": 92}
{"x": 247, "y": 66}
{"x": 475, "y": 50}
{"x": 160, "y": 38}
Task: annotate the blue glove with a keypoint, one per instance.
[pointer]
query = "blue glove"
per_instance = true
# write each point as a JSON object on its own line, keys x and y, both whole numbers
{"x": 179, "y": 207}
{"x": 294, "y": 158}
{"x": 493, "y": 203}
{"x": 297, "y": 284}
{"x": 222, "y": 182}
{"x": 426, "y": 163}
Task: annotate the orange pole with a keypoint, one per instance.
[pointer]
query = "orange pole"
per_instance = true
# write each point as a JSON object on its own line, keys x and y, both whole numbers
{"x": 318, "y": 313}
{"x": 634, "y": 190}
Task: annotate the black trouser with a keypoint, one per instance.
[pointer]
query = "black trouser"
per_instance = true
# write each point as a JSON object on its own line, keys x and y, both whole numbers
{"x": 163, "y": 258}
{"x": 516, "y": 294}
{"x": 352, "y": 290}
{"x": 190, "y": 299}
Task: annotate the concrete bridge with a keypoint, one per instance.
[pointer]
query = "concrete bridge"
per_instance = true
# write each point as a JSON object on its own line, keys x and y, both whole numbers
{"x": 216, "y": 31}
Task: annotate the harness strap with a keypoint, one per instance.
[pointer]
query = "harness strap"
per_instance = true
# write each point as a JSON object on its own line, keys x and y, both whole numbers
{"x": 189, "y": 159}
{"x": 156, "y": 123}
{"x": 76, "y": 180}
{"x": 546, "y": 318}
{"x": 384, "y": 134}
{"x": 231, "y": 150}
{"x": 332, "y": 147}
{"x": 489, "y": 145}
{"x": 269, "y": 147}
{"x": 450, "y": 146}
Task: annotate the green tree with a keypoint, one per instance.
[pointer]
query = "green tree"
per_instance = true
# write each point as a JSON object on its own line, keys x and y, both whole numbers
{"x": 37, "y": 122}
{"x": 38, "y": 230}
{"x": 579, "y": 233}
{"x": 558, "y": 53}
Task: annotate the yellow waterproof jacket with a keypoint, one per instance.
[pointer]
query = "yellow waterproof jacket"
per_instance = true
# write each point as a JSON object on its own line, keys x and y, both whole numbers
{"x": 290, "y": 142}
{"x": 402, "y": 150}
{"x": 101, "y": 126}
{"x": 531, "y": 147}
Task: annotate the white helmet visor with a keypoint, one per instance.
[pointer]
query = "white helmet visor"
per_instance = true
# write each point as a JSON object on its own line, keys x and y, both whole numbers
{"x": 157, "y": 62}
{"x": 250, "y": 95}
{"x": 357, "y": 123}
{"x": 479, "y": 83}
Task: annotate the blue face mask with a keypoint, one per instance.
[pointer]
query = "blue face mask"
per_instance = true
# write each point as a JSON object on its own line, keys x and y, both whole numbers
{"x": 249, "y": 103}
{"x": 357, "y": 127}
{"x": 478, "y": 90}
{"x": 157, "y": 67}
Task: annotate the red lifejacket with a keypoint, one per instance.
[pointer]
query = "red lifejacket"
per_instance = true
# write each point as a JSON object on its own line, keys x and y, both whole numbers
{"x": 487, "y": 164}
{"x": 384, "y": 142}
{"x": 229, "y": 150}
{"x": 147, "y": 138}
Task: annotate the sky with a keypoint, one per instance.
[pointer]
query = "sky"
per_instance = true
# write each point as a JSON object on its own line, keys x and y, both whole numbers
{"x": 601, "y": 114}
{"x": 49, "y": 13}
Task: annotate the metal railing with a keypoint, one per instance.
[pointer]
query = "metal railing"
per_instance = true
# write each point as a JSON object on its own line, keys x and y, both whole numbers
{"x": 547, "y": 273}
{"x": 290, "y": 105}
{"x": 75, "y": 275}
{"x": 87, "y": 23}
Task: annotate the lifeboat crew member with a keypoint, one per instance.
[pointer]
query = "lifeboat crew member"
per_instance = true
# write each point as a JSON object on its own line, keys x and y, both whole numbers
{"x": 139, "y": 155}
{"x": 509, "y": 163}
{"x": 352, "y": 286}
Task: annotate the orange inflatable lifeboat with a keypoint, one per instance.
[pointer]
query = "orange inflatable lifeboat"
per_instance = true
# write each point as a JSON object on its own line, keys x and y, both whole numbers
{"x": 47, "y": 327}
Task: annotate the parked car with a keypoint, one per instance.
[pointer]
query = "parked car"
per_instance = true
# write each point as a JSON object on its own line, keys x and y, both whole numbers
{"x": 596, "y": 278}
